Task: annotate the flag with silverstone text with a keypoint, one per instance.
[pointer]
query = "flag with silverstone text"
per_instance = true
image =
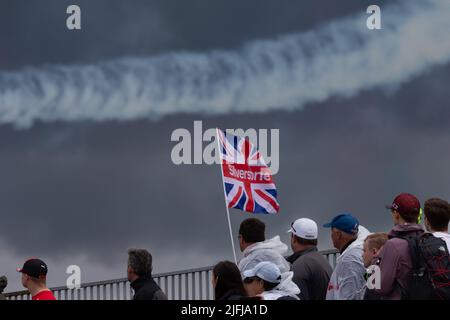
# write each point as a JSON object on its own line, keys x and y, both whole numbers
{"x": 248, "y": 182}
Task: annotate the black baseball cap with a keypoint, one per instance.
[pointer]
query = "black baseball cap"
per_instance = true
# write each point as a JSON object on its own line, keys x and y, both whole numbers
{"x": 35, "y": 268}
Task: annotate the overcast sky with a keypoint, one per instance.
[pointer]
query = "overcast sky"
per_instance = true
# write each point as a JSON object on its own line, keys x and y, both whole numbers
{"x": 84, "y": 191}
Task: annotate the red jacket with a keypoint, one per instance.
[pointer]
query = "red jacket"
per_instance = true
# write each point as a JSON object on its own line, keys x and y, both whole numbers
{"x": 395, "y": 261}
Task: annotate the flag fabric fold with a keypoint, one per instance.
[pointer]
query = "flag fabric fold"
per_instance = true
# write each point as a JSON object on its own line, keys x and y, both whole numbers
{"x": 248, "y": 182}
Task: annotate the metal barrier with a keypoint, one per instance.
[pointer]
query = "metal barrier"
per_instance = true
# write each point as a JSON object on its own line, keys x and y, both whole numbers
{"x": 192, "y": 284}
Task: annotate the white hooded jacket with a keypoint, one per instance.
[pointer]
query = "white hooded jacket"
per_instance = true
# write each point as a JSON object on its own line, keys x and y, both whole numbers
{"x": 286, "y": 288}
{"x": 347, "y": 281}
{"x": 271, "y": 250}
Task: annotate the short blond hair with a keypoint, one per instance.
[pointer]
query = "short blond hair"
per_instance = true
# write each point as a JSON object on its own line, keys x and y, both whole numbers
{"x": 376, "y": 240}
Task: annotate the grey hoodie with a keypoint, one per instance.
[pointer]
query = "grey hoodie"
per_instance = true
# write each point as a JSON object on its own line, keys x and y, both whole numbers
{"x": 395, "y": 261}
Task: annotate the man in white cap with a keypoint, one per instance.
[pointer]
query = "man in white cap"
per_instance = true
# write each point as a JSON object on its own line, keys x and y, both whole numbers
{"x": 312, "y": 271}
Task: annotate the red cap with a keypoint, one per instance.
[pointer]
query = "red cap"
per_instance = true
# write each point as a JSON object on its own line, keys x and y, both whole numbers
{"x": 405, "y": 203}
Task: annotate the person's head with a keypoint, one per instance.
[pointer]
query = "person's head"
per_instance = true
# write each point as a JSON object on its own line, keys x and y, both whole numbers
{"x": 344, "y": 228}
{"x": 303, "y": 234}
{"x": 372, "y": 245}
{"x": 405, "y": 209}
{"x": 139, "y": 264}
{"x": 34, "y": 273}
{"x": 437, "y": 215}
{"x": 251, "y": 230}
{"x": 226, "y": 277}
{"x": 3, "y": 283}
{"x": 265, "y": 276}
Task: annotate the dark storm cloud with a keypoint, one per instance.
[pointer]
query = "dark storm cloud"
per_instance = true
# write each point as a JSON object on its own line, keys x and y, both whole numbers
{"x": 33, "y": 32}
{"x": 98, "y": 188}
{"x": 93, "y": 188}
{"x": 282, "y": 73}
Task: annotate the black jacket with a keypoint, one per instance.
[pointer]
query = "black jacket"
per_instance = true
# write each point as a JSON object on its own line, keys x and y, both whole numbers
{"x": 232, "y": 295}
{"x": 145, "y": 288}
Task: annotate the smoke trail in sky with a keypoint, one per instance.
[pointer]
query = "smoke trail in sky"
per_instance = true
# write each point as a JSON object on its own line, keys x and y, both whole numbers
{"x": 340, "y": 58}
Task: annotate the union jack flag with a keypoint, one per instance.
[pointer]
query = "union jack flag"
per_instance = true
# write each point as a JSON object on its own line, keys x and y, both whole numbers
{"x": 248, "y": 182}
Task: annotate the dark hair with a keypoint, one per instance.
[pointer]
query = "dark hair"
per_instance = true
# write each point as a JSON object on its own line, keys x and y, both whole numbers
{"x": 3, "y": 283}
{"x": 305, "y": 241}
{"x": 252, "y": 230}
{"x": 269, "y": 285}
{"x": 228, "y": 279}
{"x": 411, "y": 216}
{"x": 140, "y": 260}
{"x": 437, "y": 212}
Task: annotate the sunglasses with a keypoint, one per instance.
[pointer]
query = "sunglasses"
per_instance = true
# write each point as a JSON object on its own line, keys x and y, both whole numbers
{"x": 292, "y": 227}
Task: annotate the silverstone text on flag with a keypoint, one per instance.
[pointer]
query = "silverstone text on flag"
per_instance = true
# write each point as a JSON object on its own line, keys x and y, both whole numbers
{"x": 248, "y": 182}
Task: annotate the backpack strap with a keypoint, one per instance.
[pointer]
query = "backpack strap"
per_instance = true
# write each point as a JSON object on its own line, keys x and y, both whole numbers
{"x": 414, "y": 250}
{"x": 416, "y": 261}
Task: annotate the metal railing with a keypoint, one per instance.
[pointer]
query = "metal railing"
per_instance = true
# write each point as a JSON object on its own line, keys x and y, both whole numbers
{"x": 192, "y": 284}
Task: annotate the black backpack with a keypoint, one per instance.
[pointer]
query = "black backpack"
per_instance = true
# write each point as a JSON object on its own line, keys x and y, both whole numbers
{"x": 430, "y": 275}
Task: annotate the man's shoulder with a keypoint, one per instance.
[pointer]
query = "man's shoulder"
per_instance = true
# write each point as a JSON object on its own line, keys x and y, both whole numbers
{"x": 442, "y": 235}
{"x": 311, "y": 260}
{"x": 159, "y": 295}
{"x": 351, "y": 257}
{"x": 394, "y": 247}
{"x": 264, "y": 254}
{"x": 148, "y": 291}
{"x": 395, "y": 243}
{"x": 309, "y": 257}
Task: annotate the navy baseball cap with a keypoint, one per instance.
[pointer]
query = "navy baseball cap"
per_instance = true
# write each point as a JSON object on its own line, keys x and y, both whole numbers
{"x": 344, "y": 222}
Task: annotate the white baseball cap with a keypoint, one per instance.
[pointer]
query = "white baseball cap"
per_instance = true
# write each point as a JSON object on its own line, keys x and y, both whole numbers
{"x": 304, "y": 228}
{"x": 266, "y": 271}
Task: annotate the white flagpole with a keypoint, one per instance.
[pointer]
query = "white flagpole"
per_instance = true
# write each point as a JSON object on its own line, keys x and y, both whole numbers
{"x": 225, "y": 197}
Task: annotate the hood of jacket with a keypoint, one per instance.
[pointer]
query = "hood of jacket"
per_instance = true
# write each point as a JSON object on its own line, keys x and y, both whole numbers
{"x": 272, "y": 250}
{"x": 287, "y": 287}
{"x": 358, "y": 243}
{"x": 274, "y": 244}
{"x": 402, "y": 230}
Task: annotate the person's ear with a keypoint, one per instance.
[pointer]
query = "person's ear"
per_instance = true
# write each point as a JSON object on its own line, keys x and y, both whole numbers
{"x": 427, "y": 223}
{"x": 396, "y": 215}
{"x": 377, "y": 253}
